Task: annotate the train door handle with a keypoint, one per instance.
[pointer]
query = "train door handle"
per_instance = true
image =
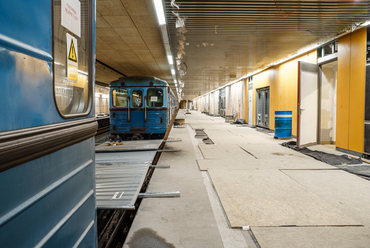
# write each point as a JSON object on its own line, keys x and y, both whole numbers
{"x": 145, "y": 109}
{"x": 128, "y": 112}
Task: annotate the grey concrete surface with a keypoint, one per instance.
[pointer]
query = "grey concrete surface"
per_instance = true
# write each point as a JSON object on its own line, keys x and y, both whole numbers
{"x": 187, "y": 221}
{"x": 286, "y": 199}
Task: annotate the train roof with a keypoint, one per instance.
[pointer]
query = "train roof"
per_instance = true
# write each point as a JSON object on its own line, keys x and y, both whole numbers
{"x": 138, "y": 81}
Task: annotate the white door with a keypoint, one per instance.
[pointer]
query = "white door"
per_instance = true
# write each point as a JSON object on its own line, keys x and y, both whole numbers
{"x": 308, "y": 78}
{"x": 250, "y": 104}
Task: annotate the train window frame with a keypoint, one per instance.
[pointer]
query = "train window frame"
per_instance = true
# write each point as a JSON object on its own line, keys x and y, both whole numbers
{"x": 157, "y": 89}
{"x": 127, "y": 99}
{"x": 132, "y": 98}
{"x": 89, "y": 62}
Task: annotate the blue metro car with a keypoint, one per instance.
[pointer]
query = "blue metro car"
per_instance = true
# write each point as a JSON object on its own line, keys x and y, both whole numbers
{"x": 140, "y": 107}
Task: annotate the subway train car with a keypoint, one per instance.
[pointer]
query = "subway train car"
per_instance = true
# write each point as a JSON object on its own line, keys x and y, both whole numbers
{"x": 47, "y": 127}
{"x": 140, "y": 107}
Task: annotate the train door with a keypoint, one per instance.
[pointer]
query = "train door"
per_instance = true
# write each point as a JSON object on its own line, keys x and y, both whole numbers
{"x": 308, "y": 75}
{"x": 137, "y": 110}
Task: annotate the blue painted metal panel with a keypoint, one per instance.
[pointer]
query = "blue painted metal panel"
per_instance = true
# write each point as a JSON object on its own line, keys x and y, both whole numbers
{"x": 119, "y": 121}
{"x": 157, "y": 121}
{"x": 30, "y": 19}
{"x": 283, "y": 124}
{"x": 26, "y": 92}
{"x": 138, "y": 81}
{"x": 137, "y": 119}
{"x": 27, "y": 80}
{"x": 51, "y": 200}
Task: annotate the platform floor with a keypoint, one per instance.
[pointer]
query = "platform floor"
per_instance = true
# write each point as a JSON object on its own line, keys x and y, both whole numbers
{"x": 244, "y": 187}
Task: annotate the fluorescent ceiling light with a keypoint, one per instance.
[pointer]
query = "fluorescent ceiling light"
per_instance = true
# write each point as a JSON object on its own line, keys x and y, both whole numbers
{"x": 160, "y": 13}
{"x": 170, "y": 59}
{"x": 173, "y": 71}
{"x": 365, "y": 24}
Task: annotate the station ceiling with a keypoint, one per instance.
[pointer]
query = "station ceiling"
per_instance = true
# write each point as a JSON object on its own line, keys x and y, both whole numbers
{"x": 218, "y": 42}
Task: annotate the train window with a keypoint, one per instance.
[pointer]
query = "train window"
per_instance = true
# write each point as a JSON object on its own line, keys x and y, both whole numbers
{"x": 119, "y": 98}
{"x": 155, "y": 97}
{"x": 72, "y": 57}
{"x": 137, "y": 98}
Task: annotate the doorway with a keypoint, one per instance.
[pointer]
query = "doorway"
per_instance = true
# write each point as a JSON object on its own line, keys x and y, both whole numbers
{"x": 250, "y": 103}
{"x": 328, "y": 103}
{"x": 307, "y": 123}
{"x": 263, "y": 107}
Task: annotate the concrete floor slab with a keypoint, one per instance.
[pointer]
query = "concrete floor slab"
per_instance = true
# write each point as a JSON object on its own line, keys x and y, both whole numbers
{"x": 218, "y": 151}
{"x": 287, "y": 163}
{"x": 187, "y": 221}
{"x": 347, "y": 192}
{"x": 268, "y": 194}
{"x": 270, "y": 150}
{"x": 271, "y": 198}
{"x": 312, "y": 237}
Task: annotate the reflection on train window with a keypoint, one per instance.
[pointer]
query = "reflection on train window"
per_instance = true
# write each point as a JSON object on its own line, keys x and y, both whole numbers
{"x": 137, "y": 98}
{"x": 72, "y": 81}
{"x": 155, "y": 97}
{"x": 119, "y": 98}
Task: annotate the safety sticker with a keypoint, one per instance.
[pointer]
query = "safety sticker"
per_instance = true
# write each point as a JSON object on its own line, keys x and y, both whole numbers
{"x": 72, "y": 58}
{"x": 153, "y": 98}
{"x": 72, "y": 52}
{"x": 117, "y": 195}
{"x": 71, "y": 16}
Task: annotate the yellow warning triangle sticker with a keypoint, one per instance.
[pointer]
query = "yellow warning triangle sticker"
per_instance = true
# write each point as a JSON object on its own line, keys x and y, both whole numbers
{"x": 72, "y": 52}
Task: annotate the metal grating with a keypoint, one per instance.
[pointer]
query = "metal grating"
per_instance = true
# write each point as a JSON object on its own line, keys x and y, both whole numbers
{"x": 118, "y": 185}
{"x": 128, "y": 146}
{"x": 140, "y": 157}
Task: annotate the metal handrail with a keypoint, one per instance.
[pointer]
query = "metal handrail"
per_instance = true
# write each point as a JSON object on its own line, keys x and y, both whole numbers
{"x": 145, "y": 109}
{"x": 129, "y": 113}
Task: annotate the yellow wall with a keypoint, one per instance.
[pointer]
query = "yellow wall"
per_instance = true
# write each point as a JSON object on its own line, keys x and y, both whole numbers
{"x": 351, "y": 91}
{"x": 283, "y": 81}
{"x": 246, "y": 100}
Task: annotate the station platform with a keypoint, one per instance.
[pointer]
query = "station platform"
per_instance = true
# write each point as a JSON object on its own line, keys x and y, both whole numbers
{"x": 246, "y": 190}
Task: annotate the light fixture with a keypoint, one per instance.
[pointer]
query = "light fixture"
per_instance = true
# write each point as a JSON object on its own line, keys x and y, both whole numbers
{"x": 365, "y": 24}
{"x": 173, "y": 72}
{"x": 170, "y": 59}
{"x": 160, "y": 13}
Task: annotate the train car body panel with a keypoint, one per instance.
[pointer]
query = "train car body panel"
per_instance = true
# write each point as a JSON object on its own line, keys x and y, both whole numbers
{"x": 49, "y": 204}
{"x": 47, "y": 159}
{"x": 140, "y": 105}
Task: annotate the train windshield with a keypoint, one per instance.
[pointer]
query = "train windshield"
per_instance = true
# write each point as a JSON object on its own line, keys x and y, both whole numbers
{"x": 155, "y": 97}
{"x": 119, "y": 98}
{"x": 137, "y": 98}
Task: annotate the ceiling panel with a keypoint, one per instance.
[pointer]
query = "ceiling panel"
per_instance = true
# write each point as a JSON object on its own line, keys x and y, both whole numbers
{"x": 128, "y": 41}
{"x": 224, "y": 40}
{"x": 230, "y": 39}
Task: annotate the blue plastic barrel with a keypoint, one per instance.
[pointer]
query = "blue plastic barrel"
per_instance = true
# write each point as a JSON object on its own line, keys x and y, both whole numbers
{"x": 283, "y": 124}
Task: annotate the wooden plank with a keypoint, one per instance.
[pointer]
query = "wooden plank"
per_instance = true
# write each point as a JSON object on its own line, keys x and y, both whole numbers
{"x": 287, "y": 163}
{"x": 308, "y": 237}
{"x": 271, "y": 198}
